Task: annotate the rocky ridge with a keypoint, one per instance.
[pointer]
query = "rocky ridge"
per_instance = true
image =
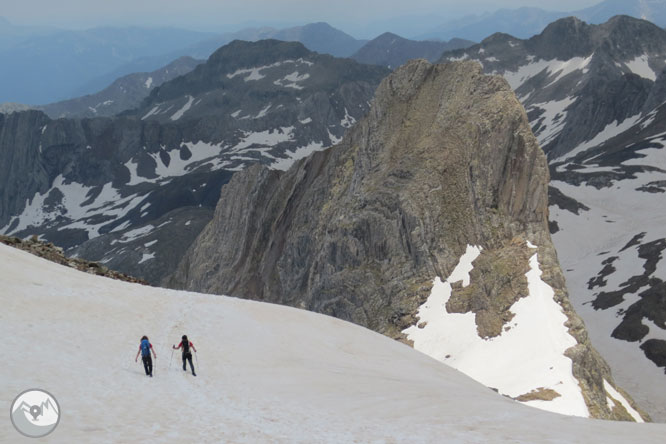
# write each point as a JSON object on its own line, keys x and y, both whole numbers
{"x": 594, "y": 95}
{"x": 55, "y": 254}
{"x": 444, "y": 160}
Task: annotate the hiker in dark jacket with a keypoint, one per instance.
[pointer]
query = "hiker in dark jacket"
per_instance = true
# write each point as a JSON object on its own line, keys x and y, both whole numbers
{"x": 187, "y": 354}
{"x": 144, "y": 349}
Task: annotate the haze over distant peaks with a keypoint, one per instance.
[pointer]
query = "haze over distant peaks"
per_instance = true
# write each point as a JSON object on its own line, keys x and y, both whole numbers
{"x": 526, "y": 22}
{"x": 392, "y": 51}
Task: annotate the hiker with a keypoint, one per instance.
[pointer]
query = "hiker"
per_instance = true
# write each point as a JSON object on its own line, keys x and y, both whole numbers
{"x": 144, "y": 349}
{"x": 187, "y": 354}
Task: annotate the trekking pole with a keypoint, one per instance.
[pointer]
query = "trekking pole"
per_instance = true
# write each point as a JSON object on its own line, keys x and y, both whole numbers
{"x": 196, "y": 356}
{"x": 170, "y": 359}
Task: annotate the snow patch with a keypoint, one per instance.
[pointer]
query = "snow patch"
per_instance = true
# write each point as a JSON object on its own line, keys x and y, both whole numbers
{"x": 559, "y": 68}
{"x": 552, "y": 119}
{"x": 152, "y": 112}
{"x": 264, "y": 138}
{"x": 641, "y": 67}
{"x": 178, "y": 114}
{"x": 348, "y": 121}
{"x": 146, "y": 257}
{"x": 291, "y": 80}
{"x": 611, "y": 130}
{"x": 284, "y": 164}
{"x": 149, "y": 82}
{"x": 530, "y": 355}
{"x": 263, "y": 112}
{"x": 621, "y": 399}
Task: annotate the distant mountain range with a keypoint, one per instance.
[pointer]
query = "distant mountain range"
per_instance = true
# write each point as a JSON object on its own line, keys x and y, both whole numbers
{"x": 47, "y": 68}
{"x": 391, "y": 50}
{"x": 44, "y": 65}
{"x": 319, "y": 37}
{"x": 526, "y": 22}
{"x": 79, "y": 63}
{"x": 132, "y": 191}
{"x": 125, "y": 93}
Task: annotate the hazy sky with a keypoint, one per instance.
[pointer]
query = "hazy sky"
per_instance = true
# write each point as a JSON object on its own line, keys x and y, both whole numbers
{"x": 229, "y": 14}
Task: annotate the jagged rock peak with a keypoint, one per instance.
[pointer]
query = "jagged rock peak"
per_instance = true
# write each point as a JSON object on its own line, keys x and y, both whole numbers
{"x": 445, "y": 151}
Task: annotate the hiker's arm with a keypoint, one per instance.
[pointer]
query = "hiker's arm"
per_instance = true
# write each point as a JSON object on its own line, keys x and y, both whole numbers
{"x": 153, "y": 350}
{"x": 193, "y": 347}
{"x": 176, "y": 348}
{"x": 137, "y": 354}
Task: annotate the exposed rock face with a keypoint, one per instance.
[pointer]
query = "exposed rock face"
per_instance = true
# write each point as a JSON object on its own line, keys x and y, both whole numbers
{"x": 445, "y": 159}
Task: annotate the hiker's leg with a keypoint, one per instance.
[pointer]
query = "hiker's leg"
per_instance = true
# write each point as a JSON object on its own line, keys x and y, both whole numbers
{"x": 184, "y": 363}
{"x": 145, "y": 364}
{"x": 150, "y": 366}
{"x": 189, "y": 358}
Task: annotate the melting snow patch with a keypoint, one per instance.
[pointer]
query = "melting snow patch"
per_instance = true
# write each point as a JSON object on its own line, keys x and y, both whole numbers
{"x": 527, "y": 357}
{"x": 136, "y": 233}
{"x": 254, "y": 73}
{"x": 619, "y": 398}
{"x": 149, "y": 82}
{"x": 291, "y": 80}
{"x": 459, "y": 59}
{"x": 552, "y": 119}
{"x": 150, "y": 244}
{"x": 147, "y": 257}
{"x": 284, "y": 164}
{"x": 178, "y": 114}
{"x": 348, "y": 121}
{"x": 640, "y": 66}
{"x": 611, "y": 130}
{"x": 265, "y": 138}
{"x": 306, "y": 121}
{"x": 153, "y": 111}
{"x": 559, "y": 67}
{"x": 263, "y": 112}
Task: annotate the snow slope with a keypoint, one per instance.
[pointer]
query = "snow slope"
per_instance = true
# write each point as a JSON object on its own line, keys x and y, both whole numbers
{"x": 268, "y": 373}
{"x": 527, "y": 357}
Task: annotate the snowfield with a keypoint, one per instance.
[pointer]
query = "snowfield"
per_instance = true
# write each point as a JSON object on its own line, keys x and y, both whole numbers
{"x": 267, "y": 373}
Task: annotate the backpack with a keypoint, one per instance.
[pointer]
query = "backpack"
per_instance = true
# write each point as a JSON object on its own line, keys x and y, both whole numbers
{"x": 186, "y": 347}
{"x": 145, "y": 348}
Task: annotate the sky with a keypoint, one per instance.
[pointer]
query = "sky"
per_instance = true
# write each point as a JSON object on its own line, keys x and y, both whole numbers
{"x": 229, "y": 15}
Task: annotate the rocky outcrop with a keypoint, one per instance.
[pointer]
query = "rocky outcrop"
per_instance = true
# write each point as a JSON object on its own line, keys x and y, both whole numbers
{"x": 445, "y": 159}
{"x": 55, "y": 254}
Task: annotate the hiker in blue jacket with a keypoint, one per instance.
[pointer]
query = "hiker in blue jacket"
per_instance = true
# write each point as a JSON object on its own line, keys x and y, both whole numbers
{"x": 144, "y": 349}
